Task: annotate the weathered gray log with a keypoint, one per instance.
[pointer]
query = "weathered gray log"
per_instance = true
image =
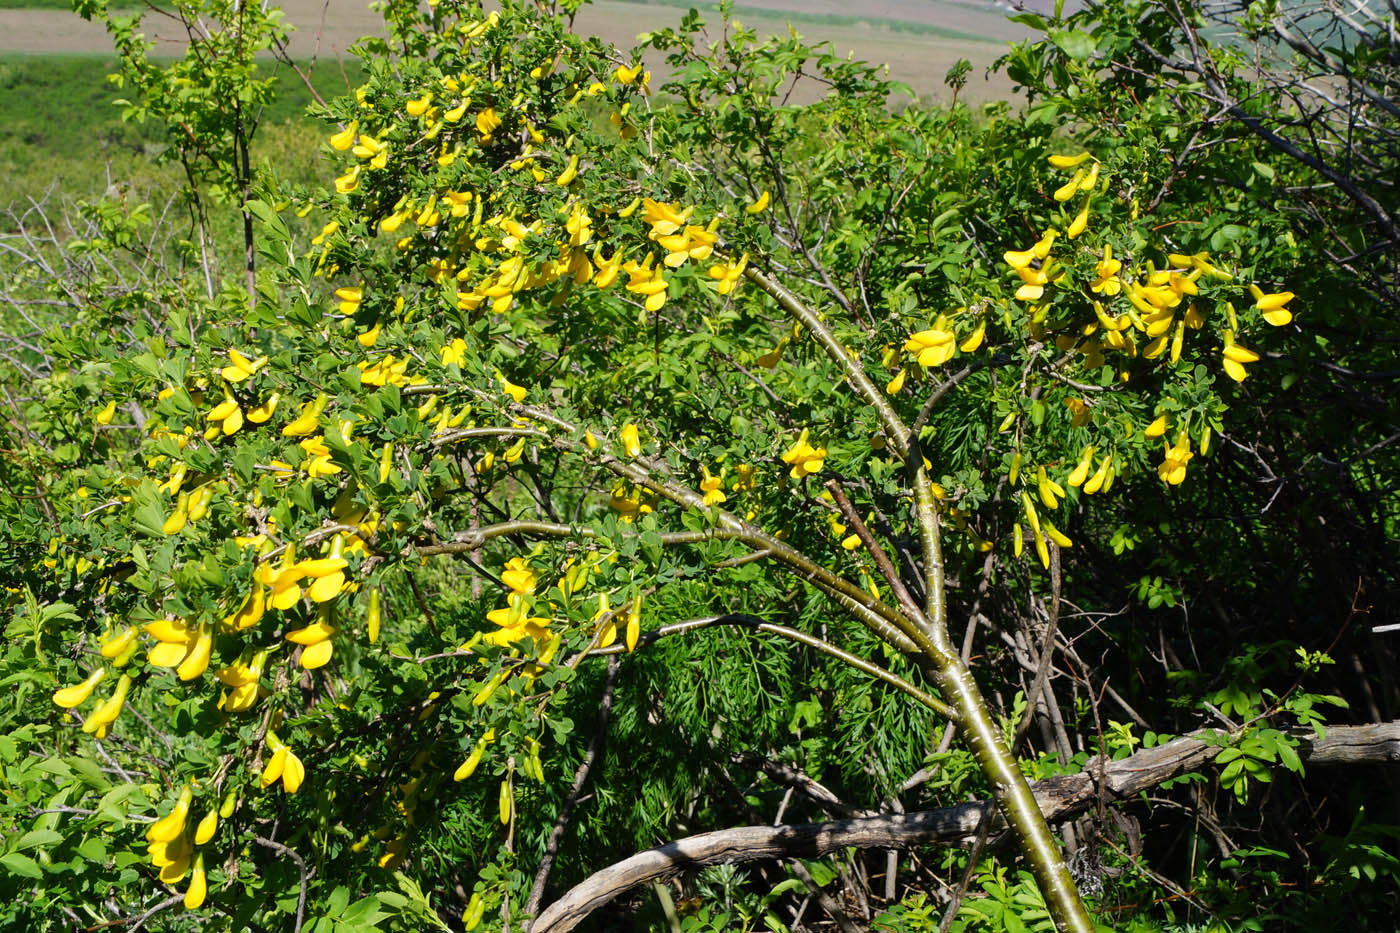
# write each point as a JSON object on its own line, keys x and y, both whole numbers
{"x": 1059, "y": 798}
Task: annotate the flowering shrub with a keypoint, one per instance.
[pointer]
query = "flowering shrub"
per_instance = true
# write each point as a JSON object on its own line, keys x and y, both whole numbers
{"x": 566, "y": 366}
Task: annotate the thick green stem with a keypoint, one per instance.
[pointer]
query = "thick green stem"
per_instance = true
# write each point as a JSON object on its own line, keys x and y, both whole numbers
{"x": 1014, "y": 798}
{"x": 955, "y": 681}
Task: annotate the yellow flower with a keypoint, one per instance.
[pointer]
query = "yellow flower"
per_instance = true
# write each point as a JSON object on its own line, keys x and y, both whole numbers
{"x": 631, "y": 443}
{"x": 170, "y": 827}
{"x": 712, "y": 487}
{"x": 350, "y": 298}
{"x": 518, "y": 576}
{"x": 643, "y": 279}
{"x": 1080, "y": 222}
{"x": 625, "y": 75}
{"x": 265, "y": 410}
{"x": 759, "y": 206}
{"x": 509, "y": 388}
{"x": 1272, "y": 305}
{"x": 570, "y": 172}
{"x": 1050, "y": 491}
{"x": 455, "y": 352}
{"x": 664, "y": 219}
{"x": 241, "y": 367}
{"x": 106, "y": 414}
{"x": 1100, "y": 479}
{"x": 728, "y": 274}
{"x": 487, "y": 123}
{"x": 283, "y": 765}
{"x": 348, "y": 182}
{"x": 306, "y": 422}
{"x": 1235, "y": 356}
{"x": 1080, "y": 472}
{"x": 974, "y": 339}
{"x": 516, "y": 624}
{"x": 70, "y": 697}
{"x": 1068, "y": 161}
{"x": 195, "y": 894}
{"x": 100, "y": 722}
{"x": 343, "y": 140}
{"x": 1172, "y": 469}
{"x": 803, "y": 457}
{"x": 934, "y": 346}
{"x": 227, "y": 414}
{"x": 634, "y": 623}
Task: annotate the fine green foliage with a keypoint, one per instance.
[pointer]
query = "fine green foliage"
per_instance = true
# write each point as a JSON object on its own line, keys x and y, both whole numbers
{"x": 577, "y": 464}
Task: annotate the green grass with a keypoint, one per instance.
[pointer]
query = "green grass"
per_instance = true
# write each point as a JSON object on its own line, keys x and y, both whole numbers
{"x": 60, "y": 127}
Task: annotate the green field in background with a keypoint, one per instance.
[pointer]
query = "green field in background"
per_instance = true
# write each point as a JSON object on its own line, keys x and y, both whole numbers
{"x": 60, "y": 127}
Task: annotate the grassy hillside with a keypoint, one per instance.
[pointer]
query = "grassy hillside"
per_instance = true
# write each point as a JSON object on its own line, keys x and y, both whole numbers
{"x": 60, "y": 127}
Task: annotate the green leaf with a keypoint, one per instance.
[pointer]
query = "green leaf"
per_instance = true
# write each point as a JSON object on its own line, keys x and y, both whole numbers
{"x": 37, "y": 838}
{"x": 1076, "y": 43}
{"x": 21, "y": 865}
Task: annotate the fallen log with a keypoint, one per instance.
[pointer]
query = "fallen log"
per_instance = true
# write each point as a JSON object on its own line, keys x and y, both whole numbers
{"x": 1059, "y": 798}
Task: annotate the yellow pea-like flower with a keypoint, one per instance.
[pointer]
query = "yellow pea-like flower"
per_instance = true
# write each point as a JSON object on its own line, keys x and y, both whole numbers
{"x": 100, "y": 722}
{"x": 1050, "y": 491}
{"x": 173, "y": 872}
{"x": 169, "y": 827}
{"x": 195, "y": 894}
{"x": 76, "y": 695}
{"x": 272, "y": 771}
{"x": 206, "y": 828}
{"x": 250, "y": 612}
{"x": 1080, "y": 222}
{"x": 197, "y": 659}
{"x": 1068, "y": 161}
{"x": 1055, "y": 535}
{"x": 264, "y": 411}
{"x": 372, "y": 619}
{"x": 1067, "y": 190}
{"x": 117, "y": 644}
{"x": 1081, "y": 469}
{"x": 759, "y": 206}
{"x": 570, "y": 172}
{"x": 105, "y": 415}
{"x": 1096, "y": 482}
{"x": 317, "y": 655}
{"x": 631, "y": 443}
{"x": 634, "y": 623}
{"x": 174, "y": 524}
{"x": 974, "y": 339}
{"x": 507, "y": 802}
{"x": 312, "y": 634}
{"x": 345, "y": 138}
{"x": 240, "y": 367}
{"x": 234, "y": 421}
